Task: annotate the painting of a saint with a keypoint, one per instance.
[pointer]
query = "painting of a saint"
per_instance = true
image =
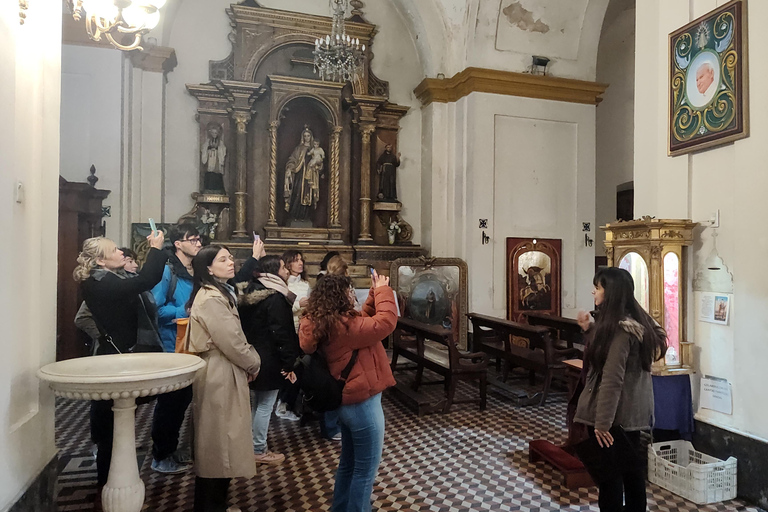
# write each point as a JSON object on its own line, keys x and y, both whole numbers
{"x": 534, "y": 274}
{"x": 301, "y": 189}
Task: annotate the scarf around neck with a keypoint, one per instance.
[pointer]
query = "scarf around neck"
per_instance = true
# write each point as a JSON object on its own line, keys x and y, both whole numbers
{"x": 274, "y": 282}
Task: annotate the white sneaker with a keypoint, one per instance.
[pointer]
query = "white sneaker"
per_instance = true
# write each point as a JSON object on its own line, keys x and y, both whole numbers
{"x": 281, "y": 409}
{"x": 290, "y": 416}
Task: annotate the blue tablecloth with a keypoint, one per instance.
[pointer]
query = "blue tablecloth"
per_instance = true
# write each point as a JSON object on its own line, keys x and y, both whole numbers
{"x": 673, "y": 404}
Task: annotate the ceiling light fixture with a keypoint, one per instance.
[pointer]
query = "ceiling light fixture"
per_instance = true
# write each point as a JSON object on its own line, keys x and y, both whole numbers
{"x": 118, "y": 19}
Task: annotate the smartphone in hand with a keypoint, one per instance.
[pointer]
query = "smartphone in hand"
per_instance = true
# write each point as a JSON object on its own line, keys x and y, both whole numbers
{"x": 152, "y": 226}
{"x": 255, "y": 236}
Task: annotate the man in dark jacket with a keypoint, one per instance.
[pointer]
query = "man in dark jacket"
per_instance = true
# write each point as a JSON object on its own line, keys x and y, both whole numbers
{"x": 171, "y": 295}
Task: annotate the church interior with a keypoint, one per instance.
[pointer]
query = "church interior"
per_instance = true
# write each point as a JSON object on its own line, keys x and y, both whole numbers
{"x": 487, "y": 155}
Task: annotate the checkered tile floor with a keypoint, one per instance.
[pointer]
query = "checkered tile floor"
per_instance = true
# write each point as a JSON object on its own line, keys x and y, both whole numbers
{"x": 463, "y": 461}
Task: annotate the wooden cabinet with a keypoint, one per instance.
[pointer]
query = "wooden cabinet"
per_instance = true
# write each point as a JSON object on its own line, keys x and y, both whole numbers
{"x": 80, "y": 217}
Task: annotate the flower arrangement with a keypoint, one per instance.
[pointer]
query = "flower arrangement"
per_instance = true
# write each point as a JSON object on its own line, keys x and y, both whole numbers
{"x": 393, "y": 230}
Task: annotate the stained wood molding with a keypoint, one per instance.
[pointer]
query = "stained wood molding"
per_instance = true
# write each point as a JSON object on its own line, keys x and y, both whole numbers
{"x": 159, "y": 59}
{"x": 508, "y": 83}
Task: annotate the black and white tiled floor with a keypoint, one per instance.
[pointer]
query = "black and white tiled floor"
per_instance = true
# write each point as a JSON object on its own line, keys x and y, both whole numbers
{"x": 463, "y": 461}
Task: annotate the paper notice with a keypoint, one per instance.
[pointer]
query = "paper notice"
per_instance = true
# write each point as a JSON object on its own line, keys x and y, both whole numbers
{"x": 716, "y": 395}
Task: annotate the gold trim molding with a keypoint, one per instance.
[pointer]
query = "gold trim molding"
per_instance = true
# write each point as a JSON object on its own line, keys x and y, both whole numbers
{"x": 510, "y": 84}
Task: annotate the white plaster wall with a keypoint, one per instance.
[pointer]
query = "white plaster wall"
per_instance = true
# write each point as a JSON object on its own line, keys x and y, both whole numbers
{"x": 731, "y": 178}
{"x": 30, "y": 60}
{"x": 91, "y": 131}
{"x": 615, "y": 117}
{"x": 526, "y": 165}
{"x": 199, "y": 34}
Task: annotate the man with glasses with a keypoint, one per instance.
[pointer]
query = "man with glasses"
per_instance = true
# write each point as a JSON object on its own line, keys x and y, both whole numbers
{"x": 171, "y": 295}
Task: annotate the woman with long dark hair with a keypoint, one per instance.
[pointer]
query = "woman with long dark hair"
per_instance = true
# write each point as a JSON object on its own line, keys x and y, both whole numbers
{"x": 267, "y": 320}
{"x": 222, "y": 406}
{"x": 332, "y": 326}
{"x": 618, "y": 395}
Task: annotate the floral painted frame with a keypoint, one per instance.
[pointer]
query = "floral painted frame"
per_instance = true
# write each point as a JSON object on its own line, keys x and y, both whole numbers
{"x": 708, "y": 80}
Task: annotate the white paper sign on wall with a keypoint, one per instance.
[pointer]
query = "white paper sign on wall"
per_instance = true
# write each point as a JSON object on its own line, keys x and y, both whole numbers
{"x": 716, "y": 395}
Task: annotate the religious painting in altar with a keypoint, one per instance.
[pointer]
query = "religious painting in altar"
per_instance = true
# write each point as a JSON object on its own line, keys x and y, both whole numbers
{"x": 708, "y": 89}
{"x": 433, "y": 291}
{"x": 533, "y": 276}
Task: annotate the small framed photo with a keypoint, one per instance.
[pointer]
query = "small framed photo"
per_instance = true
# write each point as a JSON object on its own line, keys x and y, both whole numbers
{"x": 708, "y": 85}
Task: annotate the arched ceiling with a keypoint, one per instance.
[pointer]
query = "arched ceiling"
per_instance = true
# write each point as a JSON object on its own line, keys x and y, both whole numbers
{"x": 451, "y": 35}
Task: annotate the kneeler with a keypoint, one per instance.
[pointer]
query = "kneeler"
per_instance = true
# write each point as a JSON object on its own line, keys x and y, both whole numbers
{"x": 562, "y": 457}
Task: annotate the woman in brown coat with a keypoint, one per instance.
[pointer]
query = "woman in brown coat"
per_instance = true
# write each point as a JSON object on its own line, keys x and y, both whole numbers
{"x": 332, "y": 325}
{"x": 222, "y": 413}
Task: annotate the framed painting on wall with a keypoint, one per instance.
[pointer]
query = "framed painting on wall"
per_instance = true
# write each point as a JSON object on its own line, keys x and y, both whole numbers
{"x": 708, "y": 80}
{"x": 533, "y": 276}
{"x": 433, "y": 291}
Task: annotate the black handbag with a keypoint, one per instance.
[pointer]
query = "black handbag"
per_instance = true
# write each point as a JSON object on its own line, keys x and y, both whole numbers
{"x": 606, "y": 463}
{"x": 322, "y": 392}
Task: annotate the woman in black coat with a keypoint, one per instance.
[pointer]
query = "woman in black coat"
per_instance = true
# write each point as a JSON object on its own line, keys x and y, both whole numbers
{"x": 122, "y": 316}
{"x": 266, "y": 314}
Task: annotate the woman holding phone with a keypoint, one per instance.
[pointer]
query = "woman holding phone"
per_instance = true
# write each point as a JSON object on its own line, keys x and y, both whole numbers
{"x": 332, "y": 325}
{"x": 617, "y": 399}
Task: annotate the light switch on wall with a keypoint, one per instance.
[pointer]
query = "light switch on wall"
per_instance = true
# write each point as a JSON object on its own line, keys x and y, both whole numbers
{"x": 18, "y": 192}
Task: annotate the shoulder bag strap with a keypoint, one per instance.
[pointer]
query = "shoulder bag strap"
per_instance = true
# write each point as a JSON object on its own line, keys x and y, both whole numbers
{"x": 104, "y": 335}
{"x": 348, "y": 369}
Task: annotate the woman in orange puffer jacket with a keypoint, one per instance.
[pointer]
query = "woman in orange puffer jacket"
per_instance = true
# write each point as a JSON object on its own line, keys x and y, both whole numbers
{"x": 332, "y": 325}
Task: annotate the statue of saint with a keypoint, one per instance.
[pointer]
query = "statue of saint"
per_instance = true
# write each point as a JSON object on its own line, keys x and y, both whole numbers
{"x": 213, "y": 156}
{"x": 301, "y": 190}
{"x": 386, "y": 166}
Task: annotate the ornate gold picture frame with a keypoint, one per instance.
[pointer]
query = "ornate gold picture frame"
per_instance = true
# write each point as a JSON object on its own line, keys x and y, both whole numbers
{"x": 708, "y": 85}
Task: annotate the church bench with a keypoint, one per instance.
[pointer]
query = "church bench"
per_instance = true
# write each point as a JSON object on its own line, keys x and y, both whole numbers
{"x": 494, "y": 336}
{"x": 434, "y": 348}
{"x": 566, "y": 331}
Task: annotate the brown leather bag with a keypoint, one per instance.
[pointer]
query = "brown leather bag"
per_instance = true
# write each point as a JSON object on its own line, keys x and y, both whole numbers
{"x": 182, "y": 343}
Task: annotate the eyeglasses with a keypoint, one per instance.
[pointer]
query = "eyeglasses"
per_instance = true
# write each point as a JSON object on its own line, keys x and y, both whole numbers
{"x": 193, "y": 241}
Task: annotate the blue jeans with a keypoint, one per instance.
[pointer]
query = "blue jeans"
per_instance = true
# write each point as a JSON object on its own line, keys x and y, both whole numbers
{"x": 362, "y": 440}
{"x": 329, "y": 424}
{"x": 262, "y": 404}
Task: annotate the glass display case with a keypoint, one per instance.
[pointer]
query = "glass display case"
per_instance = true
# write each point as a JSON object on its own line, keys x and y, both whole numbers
{"x": 654, "y": 252}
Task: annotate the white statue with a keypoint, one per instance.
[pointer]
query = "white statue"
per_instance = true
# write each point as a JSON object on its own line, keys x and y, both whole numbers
{"x": 213, "y": 156}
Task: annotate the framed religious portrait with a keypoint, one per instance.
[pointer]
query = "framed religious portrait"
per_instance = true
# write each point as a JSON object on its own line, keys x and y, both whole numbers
{"x": 708, "y": 80}
{"x": 433, "y": 291}
{"x": 533, "y": 277}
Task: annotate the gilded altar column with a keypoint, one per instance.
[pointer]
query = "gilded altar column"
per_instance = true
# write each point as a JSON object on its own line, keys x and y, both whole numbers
{"x": 335, "y": 150}
{"x": 241, "y": 119}
{"x": 273, "y": 173}
{"x": 365, "y": 185}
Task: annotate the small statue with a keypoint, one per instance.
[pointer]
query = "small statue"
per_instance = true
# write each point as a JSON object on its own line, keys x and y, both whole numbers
{"x": 301, "y": 189}
{"x": 211, "y": 222}
{"x": 213, "y": 156}
{"x": 386, "y": 166}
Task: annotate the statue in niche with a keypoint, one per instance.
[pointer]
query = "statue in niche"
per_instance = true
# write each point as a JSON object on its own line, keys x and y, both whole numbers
{"x": 213, "y": 156}
{"x": 302, "y": 177}
{"x": 386, "y": 167}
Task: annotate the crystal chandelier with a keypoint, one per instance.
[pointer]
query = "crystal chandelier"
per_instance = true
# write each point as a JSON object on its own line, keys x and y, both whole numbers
{"x": 338, "y": 57}
{"x": 114, "y": 19}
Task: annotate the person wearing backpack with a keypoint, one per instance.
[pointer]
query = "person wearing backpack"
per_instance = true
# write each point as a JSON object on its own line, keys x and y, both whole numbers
{"x": 332, "y": 326}
{"x": 171, "y": 296}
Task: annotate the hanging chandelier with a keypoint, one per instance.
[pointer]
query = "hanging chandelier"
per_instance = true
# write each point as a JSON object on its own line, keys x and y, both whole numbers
{"x": 118, "y": 20}
{"x": 339, "y": 57}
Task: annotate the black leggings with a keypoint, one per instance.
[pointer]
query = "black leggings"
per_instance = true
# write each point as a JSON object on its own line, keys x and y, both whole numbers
{"x": 625, "y": 491}
{"x": 211, "y": 494}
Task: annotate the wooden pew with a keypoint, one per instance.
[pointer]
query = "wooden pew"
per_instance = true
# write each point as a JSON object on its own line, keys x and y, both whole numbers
{"x": 494, "y": 337}
{"x": 566, "y": 331}
{"x": 452, "y": 364}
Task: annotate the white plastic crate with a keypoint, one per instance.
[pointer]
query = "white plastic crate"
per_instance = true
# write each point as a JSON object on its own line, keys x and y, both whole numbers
{"x": 697, "y": 477}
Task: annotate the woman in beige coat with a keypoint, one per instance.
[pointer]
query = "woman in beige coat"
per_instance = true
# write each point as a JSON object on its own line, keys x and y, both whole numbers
{"x": 222, "y": 413}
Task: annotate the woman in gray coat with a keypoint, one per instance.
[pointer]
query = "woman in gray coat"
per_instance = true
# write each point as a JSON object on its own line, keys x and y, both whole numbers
{"x": 618, "y": 391}
{"x": 222, "y": 412}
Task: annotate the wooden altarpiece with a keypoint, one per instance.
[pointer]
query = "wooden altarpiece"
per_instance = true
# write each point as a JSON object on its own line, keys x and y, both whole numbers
{"x": 264, "y": 95}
